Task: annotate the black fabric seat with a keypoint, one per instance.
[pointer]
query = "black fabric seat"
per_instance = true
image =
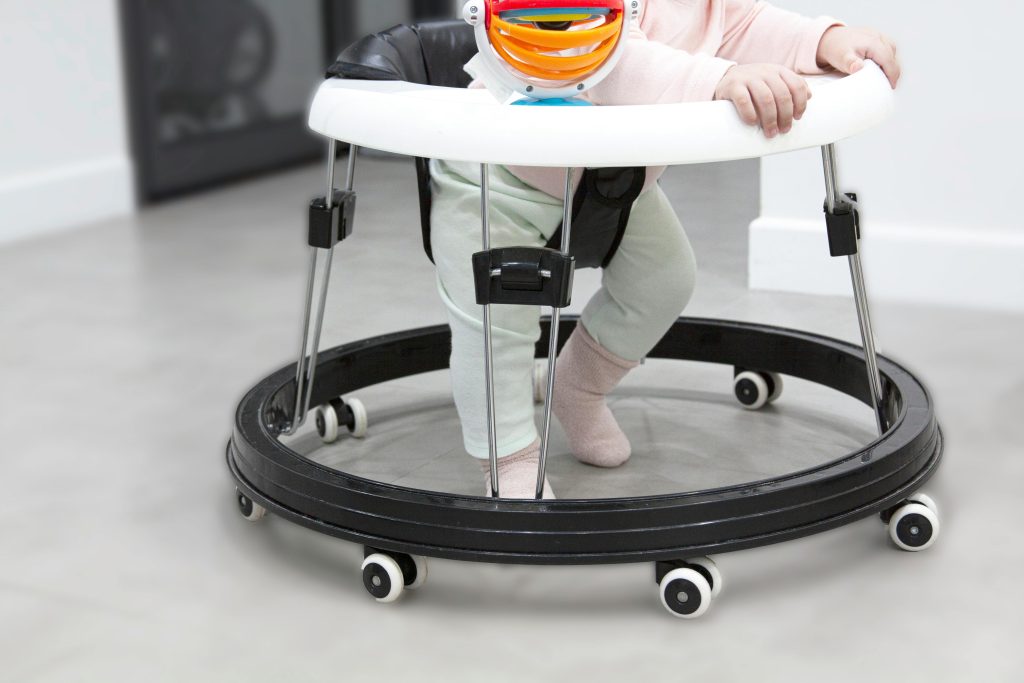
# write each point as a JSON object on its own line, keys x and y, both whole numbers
{"x": 434, "y": 53}
{"x": 429, "y": 54}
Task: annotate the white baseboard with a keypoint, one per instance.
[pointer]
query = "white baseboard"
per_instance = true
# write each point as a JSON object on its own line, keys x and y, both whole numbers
{"x": 71, "y": 196}
{"x": 951, "y": 267}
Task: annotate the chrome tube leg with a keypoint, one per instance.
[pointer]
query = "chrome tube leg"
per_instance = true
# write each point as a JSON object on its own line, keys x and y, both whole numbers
{"x": 556, "y": 319}
{"x": 300, "y": 366}
{"x": 315, "y": 349}
{"x": 305, "y": 373}
{"x": 859, "y": 294}
{"x": 492, "y": 432}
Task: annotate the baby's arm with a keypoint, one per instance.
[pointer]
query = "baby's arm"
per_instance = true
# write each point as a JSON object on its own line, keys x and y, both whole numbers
{"x": 759, "y": 33}
{"x": 650, "y": 72}
{"x": 771, "y": 44}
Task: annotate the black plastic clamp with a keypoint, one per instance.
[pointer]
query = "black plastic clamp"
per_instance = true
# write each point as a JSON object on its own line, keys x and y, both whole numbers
{"x": 328, "y": 227}
{"x": 527, "y": 276}
{"x": 843, "y": 226}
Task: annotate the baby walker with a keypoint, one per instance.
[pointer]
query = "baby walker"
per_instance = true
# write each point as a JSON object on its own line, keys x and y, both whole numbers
{"x": 403, "y": 91}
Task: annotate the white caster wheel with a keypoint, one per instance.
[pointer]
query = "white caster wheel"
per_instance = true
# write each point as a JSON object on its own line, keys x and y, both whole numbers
{"x": 540, "y": 382}
{"x": 249, "y": 508}
{"x": 707, "y": 567}
{"x": 914, "y": 527}
{"x": 925, "y": 500}
{"x": 383, "y": 578}
{"x": 360, "y": 421}
{"x": 331, "y": 416}
{"x": 776, "y": 386}
{"x": 421, "y": 573}
{"x": 327, "y": 422}
{"x": 751, "y": 390}
{"x": 685, "y": 593}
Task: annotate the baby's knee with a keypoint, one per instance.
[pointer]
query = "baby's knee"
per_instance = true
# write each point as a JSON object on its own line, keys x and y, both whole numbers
{"x": 678, "y": 269}
{"x": 675, "y": 290}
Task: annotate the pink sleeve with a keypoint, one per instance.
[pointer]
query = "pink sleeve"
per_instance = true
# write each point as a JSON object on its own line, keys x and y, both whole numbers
{"x": 654, "y": 73}
{"x": 757, "y": 32}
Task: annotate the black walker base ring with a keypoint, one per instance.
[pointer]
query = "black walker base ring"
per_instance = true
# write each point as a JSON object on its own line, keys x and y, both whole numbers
{"x": 644, "y": 529}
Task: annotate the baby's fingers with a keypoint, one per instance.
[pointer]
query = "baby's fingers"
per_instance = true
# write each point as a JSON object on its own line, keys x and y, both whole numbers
{"x": 883, "y": 52}
{"x": 853, "y": 61}
{"x": 799, "y": 91}
{"x": 744, "y": 105}
{"x": 784, "y": 103}
{"x": 767, "y": 110}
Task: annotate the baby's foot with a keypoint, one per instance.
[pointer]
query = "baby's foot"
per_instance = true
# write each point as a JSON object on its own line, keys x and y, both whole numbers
{"x": 517, "y": 474}
{"x": 586, "y": 373}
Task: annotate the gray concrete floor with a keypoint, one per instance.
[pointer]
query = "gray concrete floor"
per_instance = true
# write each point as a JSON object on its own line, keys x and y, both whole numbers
{"x": 125, "y": 346}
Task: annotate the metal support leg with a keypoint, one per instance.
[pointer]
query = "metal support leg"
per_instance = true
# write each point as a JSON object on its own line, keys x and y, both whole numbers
{"x": 859, "y": 294}
{"x": 305, "y": 372}
{"x": 556, "y": 319}
{"x": 492, "y": 433}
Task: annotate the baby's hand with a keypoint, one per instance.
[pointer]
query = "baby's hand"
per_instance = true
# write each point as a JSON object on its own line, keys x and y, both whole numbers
{"x": 766, "y": 93}
{"x": 845, "y": 49}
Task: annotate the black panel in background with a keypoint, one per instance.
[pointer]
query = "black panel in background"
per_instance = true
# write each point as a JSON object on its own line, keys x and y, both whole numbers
{"x": 340, "y": 20}
{"x": 218, "y": 91}
{"x": 432, "y": 9}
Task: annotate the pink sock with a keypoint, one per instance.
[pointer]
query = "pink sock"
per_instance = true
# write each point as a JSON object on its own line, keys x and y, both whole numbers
{"x": 517, "y": 474}
{"x": 586, "y": 373}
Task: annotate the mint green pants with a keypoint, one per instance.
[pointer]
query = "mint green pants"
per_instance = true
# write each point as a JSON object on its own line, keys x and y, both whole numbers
{"x": 644, "y": 289}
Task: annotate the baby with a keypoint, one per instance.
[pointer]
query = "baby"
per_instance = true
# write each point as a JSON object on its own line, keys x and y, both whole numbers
{"x": 747, "y": 52}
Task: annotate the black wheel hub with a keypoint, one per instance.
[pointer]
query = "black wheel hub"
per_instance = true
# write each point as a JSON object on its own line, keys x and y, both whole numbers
{"x": 376, "y": 580}
{"x": 746, "y": 392}
{"x": 682, "y": 596}
{"x": 915, "y": 530}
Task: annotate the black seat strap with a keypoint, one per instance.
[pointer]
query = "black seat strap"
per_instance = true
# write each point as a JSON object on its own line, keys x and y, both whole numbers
{"x": 426, "y": 202}
{"x": 600, "y": 214}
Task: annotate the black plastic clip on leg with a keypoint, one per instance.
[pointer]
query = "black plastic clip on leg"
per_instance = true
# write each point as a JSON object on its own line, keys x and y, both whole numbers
{"x": 843, "y": 223}
{"x": 843, "y": 219}
{"x": 523, "y": 276}
{"x": 330, "y": 222}
{"x": 330, "y": 225}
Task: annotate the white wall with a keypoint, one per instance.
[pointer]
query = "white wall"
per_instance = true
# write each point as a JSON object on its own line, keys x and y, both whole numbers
{"x": 939, "y": 182}
{"x": 64, "y": 157}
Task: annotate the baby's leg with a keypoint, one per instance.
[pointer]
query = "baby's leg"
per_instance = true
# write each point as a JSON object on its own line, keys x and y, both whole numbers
{"x": 648, "y": 283}
{"x": 520, "y": 216}
{"x": 644, "y": 289}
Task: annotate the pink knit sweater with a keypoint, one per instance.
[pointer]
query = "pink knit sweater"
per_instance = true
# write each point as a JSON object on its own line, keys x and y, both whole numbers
{"x": 682, "y": 49}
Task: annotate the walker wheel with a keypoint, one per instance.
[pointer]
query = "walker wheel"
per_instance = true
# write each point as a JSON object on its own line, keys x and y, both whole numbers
{"x": 327, "y": 422}
{"x": 540, "y": 381}
{"x": 914, "y": 526}
{"x": 709, "y": 570}
{"x": 926, "y": 500}
{"x": 358, "y": 423}
{"x": 685, "y": 593}
{"x": 751, "y": 389}
{"x": 249, "y": 508}
{"x": 421, "y": 573}
{"x": 383, "y": 578}
{"x": 412, "y": 567}
{"x": 775, "y": 384}
{"x": 331, "y": 416}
